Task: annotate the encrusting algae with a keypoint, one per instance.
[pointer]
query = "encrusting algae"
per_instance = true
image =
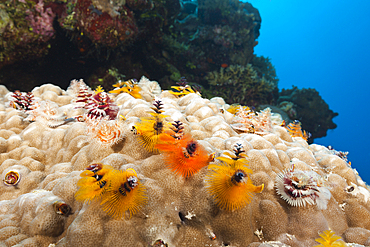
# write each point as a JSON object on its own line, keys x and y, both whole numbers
{"x": 92, "y": 168}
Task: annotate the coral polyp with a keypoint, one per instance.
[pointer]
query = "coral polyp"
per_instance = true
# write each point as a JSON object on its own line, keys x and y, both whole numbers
{"x": 181, "y": 180}
{"x": 12, "y": 178}
{"x": 229, "y": 181}
{"x": 125, "y": 193}
{"x": 299, "y": 188}
{"x": 328, "y": 239}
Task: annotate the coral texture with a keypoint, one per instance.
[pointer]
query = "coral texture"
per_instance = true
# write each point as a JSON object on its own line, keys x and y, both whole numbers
{"x": 46, "y": 172}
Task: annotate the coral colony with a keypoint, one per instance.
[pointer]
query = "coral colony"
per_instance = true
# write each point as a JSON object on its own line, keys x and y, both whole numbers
{"x": 140, "y": 166}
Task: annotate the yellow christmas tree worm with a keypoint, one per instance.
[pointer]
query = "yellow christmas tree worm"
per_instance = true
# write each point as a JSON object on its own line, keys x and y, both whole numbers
{"x": 129, "y": 87}
{"x": 229, "y": 182}
{"x": 328, "y": 239}
{"x": 149, "y": 129}
{"x": 125, "y": 193}
{"x": 94, "y": 182}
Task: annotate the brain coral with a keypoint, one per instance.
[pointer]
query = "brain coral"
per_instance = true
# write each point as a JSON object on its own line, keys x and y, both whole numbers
{"x": 41, "y": 166}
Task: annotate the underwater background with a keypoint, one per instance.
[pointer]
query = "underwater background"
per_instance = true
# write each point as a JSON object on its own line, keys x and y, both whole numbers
{"x": 324, "y": 45}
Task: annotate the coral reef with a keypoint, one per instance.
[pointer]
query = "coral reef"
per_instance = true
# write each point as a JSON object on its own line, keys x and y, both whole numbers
{"x": 313, "y": 112}
{"x": 99, "y": 22}
{"x": 162, "y": 39}
{"x": 211, "y": 43}
{"x": 62, "y": 185}
{"x": 241, "y": 84}
{"x": 26, "y": 29}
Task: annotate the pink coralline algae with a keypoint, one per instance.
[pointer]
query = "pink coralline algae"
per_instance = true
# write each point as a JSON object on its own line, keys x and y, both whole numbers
{"x": 108, "y": 29}
{"x": 26, "y": 30}
{"x": 40, "y": 20}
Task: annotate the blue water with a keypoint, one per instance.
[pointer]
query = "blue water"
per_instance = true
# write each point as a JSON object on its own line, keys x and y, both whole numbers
{"x": 325, "y": 45}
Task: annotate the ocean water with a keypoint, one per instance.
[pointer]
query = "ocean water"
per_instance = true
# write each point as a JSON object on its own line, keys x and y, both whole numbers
{"x": 325, "y": 45}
